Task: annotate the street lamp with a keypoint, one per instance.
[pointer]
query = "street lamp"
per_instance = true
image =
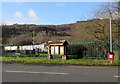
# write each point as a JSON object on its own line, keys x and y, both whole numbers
{"x": 110, "y": 35}
{"x": 111, "y": 54}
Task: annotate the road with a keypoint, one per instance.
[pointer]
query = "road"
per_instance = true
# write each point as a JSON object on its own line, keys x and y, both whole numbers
{"x": 37, "y": 73}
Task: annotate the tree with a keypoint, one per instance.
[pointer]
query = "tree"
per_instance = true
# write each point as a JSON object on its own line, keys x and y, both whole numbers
{"x": 106, "y": 10}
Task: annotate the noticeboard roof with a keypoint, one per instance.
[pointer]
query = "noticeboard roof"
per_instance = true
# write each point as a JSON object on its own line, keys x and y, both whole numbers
{"x": 59, "y": 42}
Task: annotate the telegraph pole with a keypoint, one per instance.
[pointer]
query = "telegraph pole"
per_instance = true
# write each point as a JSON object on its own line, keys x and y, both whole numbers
{"x": 33, "y": 40}
{"x": 33, "y": 36}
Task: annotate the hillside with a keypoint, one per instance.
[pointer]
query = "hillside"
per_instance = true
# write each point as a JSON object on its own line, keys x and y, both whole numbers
{"x": 93, "y": 30}
{"x": 90, "y": 30}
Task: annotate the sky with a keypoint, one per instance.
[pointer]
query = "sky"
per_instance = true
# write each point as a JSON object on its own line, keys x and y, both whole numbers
{"x": 46, "y": 13}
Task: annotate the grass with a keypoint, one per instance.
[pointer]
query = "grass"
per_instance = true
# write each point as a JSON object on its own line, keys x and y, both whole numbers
{"x": 57, "y": 61}
{"x": 41, "y": 55}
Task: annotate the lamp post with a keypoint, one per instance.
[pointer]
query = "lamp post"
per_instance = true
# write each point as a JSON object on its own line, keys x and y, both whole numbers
{"x": 111, "y": 54}
{"x": 110, "y": 35}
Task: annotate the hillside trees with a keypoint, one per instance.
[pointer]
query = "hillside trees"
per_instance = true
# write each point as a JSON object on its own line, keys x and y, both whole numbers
{"x": 17, "y": 34}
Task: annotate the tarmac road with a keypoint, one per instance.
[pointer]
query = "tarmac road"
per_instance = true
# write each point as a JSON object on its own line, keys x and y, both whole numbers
{"x": 38, "y": 73}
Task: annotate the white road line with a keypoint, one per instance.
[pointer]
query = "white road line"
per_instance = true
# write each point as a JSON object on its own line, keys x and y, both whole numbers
{"x": 54, "y": 73}
{"x": 117, "y": 76}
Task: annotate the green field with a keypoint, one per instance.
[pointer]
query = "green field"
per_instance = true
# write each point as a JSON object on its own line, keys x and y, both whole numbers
{"x": 15, "y": 59}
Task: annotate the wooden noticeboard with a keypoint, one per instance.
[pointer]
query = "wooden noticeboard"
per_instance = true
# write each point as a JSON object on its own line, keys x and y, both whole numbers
{"x": 62, "y": 50}
{"x": 56, "y": 50}
{"x": 52, "y": 49}
{"x": 57, "y": 47}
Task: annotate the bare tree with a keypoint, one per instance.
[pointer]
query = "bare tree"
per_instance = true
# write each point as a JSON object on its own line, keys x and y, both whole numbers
{"x": 106, "y": 10}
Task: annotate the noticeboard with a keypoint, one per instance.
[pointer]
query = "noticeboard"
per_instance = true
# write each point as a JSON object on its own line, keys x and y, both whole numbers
{"x": 52, "y": 49}
{"x": 62, "y": 50}
{"x": 56, "y": 49}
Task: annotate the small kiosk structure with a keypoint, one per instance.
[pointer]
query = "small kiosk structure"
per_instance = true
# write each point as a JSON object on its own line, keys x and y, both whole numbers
{"x": 57, "y": 47}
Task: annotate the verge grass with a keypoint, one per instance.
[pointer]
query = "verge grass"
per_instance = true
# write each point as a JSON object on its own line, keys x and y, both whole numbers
{"x": 16, "y": 59}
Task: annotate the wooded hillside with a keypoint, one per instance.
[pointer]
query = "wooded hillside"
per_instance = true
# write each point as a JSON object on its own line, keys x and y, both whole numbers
{"x": 90, "y": 30}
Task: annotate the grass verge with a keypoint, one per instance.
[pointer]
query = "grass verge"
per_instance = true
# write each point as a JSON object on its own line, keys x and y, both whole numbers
{"x": 57, "y": 61}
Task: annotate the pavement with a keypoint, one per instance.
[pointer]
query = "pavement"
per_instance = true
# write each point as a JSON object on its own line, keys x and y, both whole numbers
{"x": 41, "y": 73}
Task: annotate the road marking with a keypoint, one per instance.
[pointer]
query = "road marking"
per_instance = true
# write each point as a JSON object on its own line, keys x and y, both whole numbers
{"x": 97, "y": 67}
{"x": 117, "y": 76}
{"x": 31, "y": 72}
